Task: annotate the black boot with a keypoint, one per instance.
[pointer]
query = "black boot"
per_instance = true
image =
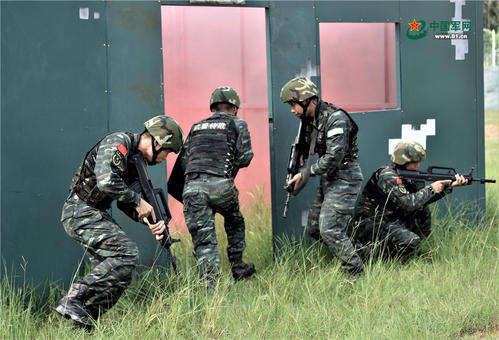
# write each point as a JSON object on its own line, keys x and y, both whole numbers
{"x": 362, "y": 250}
{"x": 72, "y": 306}
{"x": 242, "y": 270}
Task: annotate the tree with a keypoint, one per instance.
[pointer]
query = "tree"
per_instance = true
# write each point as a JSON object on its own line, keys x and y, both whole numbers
{"x": 491, "y": 14}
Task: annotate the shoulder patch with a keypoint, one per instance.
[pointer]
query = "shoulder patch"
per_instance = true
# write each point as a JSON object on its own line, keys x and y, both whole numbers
{"x": 122, "y": 149}
{"x": 402, "y": 189}
{"x": 335, "y": 131}
{"x": 117, "y": 158}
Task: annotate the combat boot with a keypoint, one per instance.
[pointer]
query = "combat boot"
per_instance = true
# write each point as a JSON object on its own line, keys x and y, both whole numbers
{"x": 72, "y": 306}
{"x": 242, "y": 270}
{"x": 362, "y": 250}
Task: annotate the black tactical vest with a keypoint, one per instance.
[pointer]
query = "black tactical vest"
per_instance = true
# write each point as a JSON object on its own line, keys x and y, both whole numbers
{"x": 212, "y": 146}
{"x": 373, "y": 197}
{"x": 352, "y": 154}
{"x": 84, "y": 182}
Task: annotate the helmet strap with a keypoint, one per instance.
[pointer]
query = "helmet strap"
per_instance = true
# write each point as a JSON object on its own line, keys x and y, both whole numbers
{"x": 155, "y": 152}
{"x": 305, "y": 106}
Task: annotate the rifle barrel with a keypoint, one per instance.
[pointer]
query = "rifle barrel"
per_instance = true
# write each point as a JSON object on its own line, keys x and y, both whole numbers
{"x": 286, "y": 204}
{"x": 484, "y": 180}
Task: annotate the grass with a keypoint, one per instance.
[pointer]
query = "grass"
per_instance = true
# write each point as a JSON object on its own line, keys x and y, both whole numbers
{"x": 451, "y": 291}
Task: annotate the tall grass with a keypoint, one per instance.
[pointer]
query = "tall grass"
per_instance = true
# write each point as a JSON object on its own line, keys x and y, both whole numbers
{"x": 450, "y": 291}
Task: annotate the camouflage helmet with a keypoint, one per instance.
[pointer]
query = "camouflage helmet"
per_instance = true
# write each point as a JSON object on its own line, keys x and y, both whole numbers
{"x": 407, "y": 151}
{"x": 298, "y": 89}
{"x": 225, "y": 94}
{"x": 166, "y": 132}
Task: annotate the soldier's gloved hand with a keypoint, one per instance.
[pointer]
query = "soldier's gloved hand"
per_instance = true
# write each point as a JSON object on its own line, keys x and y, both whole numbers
{"x": 439, "y": 186}
{"x": 157, "y": 229}
{"x": 144, "y": 209}
{"x": 460, "y": 180}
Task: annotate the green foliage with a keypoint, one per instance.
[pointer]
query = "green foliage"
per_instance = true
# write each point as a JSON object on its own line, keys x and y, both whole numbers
{"x": 491, "y": 14}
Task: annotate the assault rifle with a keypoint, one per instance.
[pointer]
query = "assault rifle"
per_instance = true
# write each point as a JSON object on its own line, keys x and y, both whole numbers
{"x": 150, "y": 195}
{"x": 299, "y": 150}
{"x": 431, "y": 176}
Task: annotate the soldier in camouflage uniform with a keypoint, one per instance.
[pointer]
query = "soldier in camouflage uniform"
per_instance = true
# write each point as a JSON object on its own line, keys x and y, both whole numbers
{"x": 214, "y": 149}
{"x": 395, "y": 210}
{"x": 338, "y": 166}
{"x": 104, "y": 176}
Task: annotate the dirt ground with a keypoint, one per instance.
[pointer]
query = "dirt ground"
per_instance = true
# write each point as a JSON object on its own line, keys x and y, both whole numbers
{"x": 493, "y": 333}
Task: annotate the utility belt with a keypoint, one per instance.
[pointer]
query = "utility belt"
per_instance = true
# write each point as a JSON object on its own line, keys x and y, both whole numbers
{"x": 200, "y": 175}
{"x": 102, "y": 205}
{"x": 345, "y": 165}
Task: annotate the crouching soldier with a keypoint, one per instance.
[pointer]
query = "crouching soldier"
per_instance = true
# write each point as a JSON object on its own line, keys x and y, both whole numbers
{"x": 396, "y": 211}
{"x": 214, "y": 149}
{"x": 104, "y": 176}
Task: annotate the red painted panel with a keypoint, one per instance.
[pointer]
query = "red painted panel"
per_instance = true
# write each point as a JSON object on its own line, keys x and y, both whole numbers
{"x": 358, "y": 65}
{"x": 208, "y": 47}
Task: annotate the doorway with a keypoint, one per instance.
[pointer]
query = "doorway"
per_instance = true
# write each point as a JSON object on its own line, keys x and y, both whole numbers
{"x": 208, "y": 47}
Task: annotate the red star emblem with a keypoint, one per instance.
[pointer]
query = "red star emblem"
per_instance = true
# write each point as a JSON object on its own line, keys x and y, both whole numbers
{"x": 414, "y": 25}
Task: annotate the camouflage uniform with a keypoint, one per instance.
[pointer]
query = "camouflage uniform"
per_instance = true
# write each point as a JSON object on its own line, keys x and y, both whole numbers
{"x": 396, "y": 210}
{"x": 210, "y": 188}
{"x": 105, "y": 176}
{"x": 340, "y": 183}
{"x": 338, "y": 166}
{"x": 112, "y": 253}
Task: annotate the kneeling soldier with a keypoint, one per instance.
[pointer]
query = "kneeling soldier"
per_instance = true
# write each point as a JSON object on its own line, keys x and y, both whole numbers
{"x": 395, "y": 210}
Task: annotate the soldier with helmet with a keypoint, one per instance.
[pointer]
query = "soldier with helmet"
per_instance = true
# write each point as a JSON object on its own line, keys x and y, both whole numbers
{"x": 215, "y": 149}
{"x": 338, "y": 167}
{"x": 395, "y": 210}
{"x": 104, "y": 176}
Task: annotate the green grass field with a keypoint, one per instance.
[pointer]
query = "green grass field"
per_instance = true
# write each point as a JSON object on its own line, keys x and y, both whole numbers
{"x": 451, "y": 291}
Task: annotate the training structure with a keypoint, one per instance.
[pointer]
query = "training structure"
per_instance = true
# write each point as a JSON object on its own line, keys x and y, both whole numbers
{"x": 73, "y": 71}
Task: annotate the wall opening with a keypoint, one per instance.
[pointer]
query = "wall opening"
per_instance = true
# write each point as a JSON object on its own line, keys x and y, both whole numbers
{"x": 359, "y": 65}
{"x": 207, "y": 47}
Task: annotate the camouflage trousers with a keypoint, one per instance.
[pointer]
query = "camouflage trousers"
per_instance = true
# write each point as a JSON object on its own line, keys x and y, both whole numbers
{"x": 110, "y": 250}
{"x": 203, "y": 197}
{"x": 331, "y": 212}
{"x": 399, "y": 237}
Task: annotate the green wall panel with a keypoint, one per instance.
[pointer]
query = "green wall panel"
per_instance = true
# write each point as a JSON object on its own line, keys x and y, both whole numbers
{"x": 53, "y": 109}
{"x": 357, "y": 11}
{"x": 71, "y": 80}
{"x": 436, "y": 85}
{"x": 432, "y": 85}
{"x": 66, "y": 81}
{"x": 136, "y": 94}
{"x": 293, "y": 40}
